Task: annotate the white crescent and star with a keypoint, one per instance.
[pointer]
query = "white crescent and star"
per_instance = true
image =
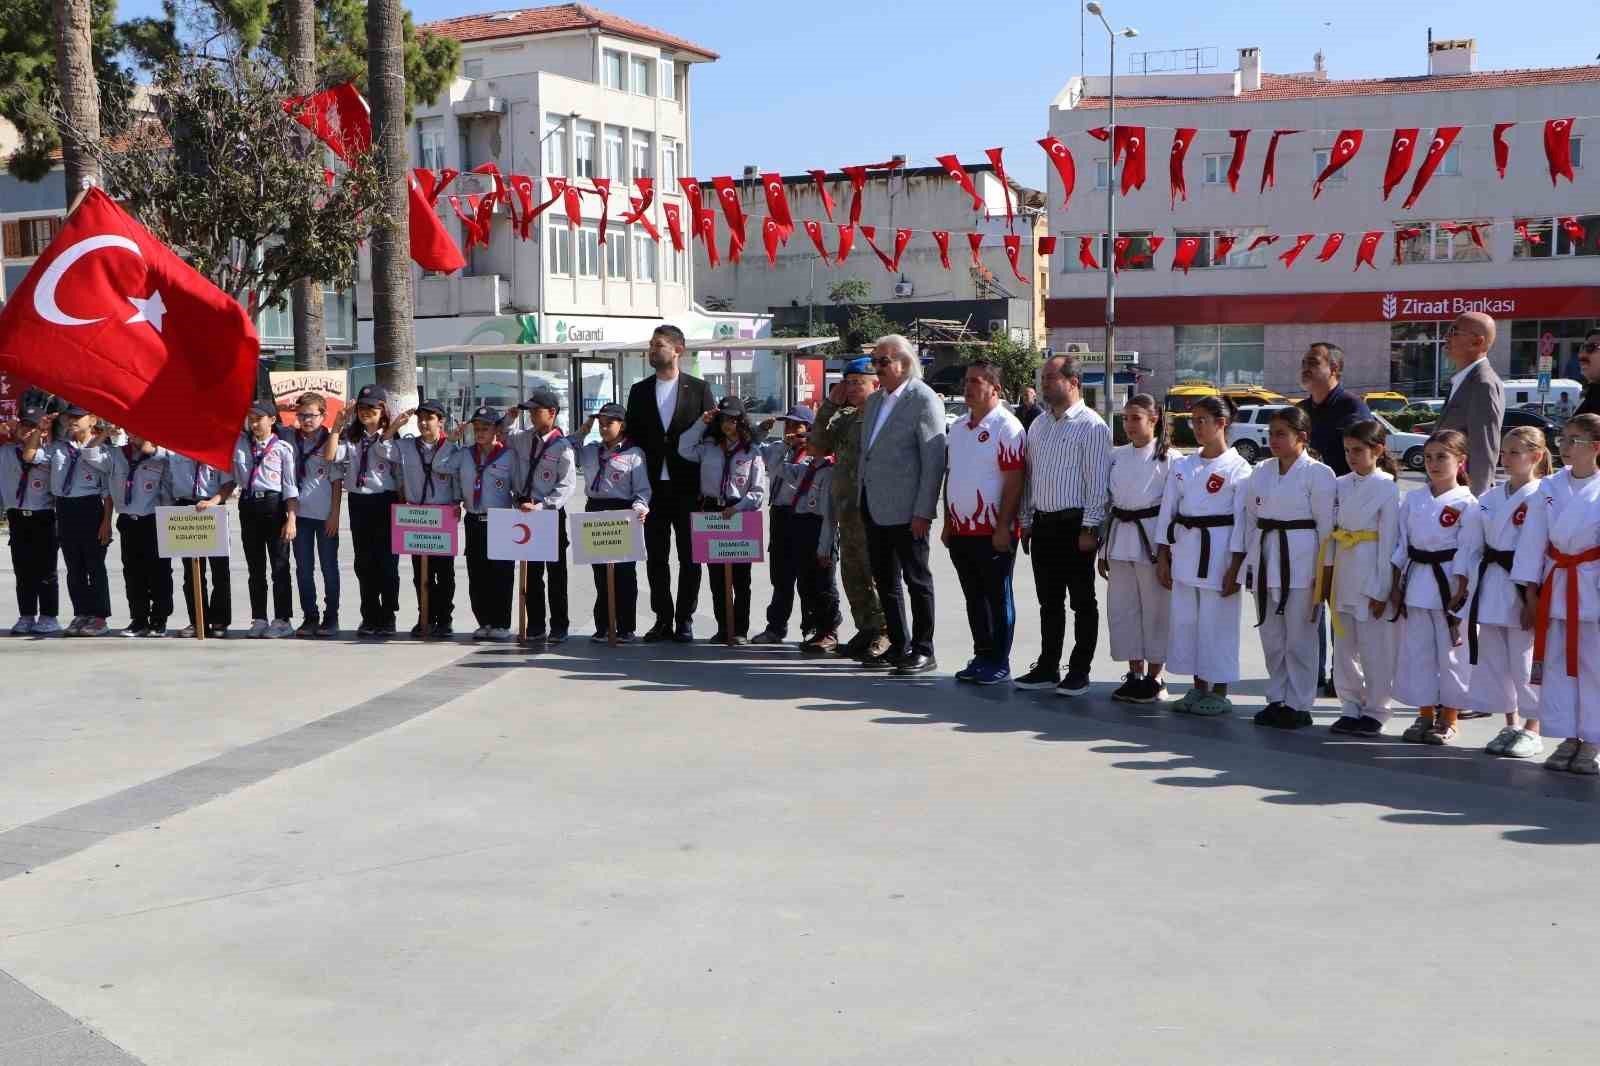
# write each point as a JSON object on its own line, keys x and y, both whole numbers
{"x": 1402, "y": 144}
{"x": 1347, "y": 145}
{"x": 1058, "y": 149}
{"x": 148, "y": 309}
{"x": 1559, "y": 124}
{"x": 1438, "y": 143}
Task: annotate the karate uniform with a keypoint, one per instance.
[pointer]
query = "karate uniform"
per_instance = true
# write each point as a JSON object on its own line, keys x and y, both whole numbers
{"x": 370, "y": 483}
{"x": 1432, "y": 667}
{"x": 547, "y": 475}
{"x": 1137, "y": 607}
{"x": 616, "y": 479}
{"x": 1361, "y": 552}
{"x": 428, "y": 474}
{"x": 487, "y": 481}
{"x": 1203, "y": 630}
{"x": 80, "y": 491}
{"x": 1568, "y": 524}
{"x": 1285, "y": 616}
{"x": 138, "y": 485}
{"x": 1502, "y": 669}
{"x": 736, "y": 479}
{"x": 31, "y": 518}
{"x": 188, "y": 482}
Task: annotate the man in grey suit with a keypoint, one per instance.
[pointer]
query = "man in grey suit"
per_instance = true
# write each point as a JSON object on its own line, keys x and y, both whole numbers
{"x": 902, "y": 471}
{"x": 1477, "y": 400}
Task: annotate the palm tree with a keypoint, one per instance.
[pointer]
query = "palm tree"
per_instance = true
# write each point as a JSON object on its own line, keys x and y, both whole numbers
{"x": 80, "y": 94}
{"x": 392, "y": 302}
{"x": 310, "y": 335}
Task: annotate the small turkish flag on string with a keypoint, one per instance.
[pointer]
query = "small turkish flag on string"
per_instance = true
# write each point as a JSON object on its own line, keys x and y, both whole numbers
{"x": 902, "y": 237}
{"x": 1181, "y": 140}
{"x": 1558, "y": 148}
{"x": 642, "y": 219}
{"x": 1344, "y": 150}
{"x": 952, "y": 166}
{"x": 974, "y": 240}
{"x": 814, "y": 231}
{"x": 1086, "y": 253}
{"x": 522, "y": 185}
{"x": 484, "y": 215}
{"x": 640, "y": 203}
{"x": 1099, "y": 133}
{"x": 427, "y": 181}
{"x": 1401, "y": 236}
{"x": 558, "y": 187}
{"x": 1573, "y": 229}
{"x": 705, "y": 227}
{"x": 338, "y": 116}
{"x": 821, "y": 179}
{"x": 1262, "y": 241}
{"x": 1127, "y": 147}
{"x": 1443, "y": 138}
{"x": 1472, "y": 229}
{"x": 1502, "y": 150}
{"x": 1292, "y": 254}
{"x": 858, "y": 189}
{"x": 469, "y": 223}
{"x": 1013, "y": 245}
{"x": 572, "y": 203}
{"x": 847, "y": 239}
{"x": 431, "y": 245}
{"x": 674, "y": 215}
{"x": 1522, "y": 231}
{"x": 1269, "y": 175}
{"x": 1119, "y": 250}
{"x": 995, "y": 156}
{"x": 446, "y": 176}
{"x": 871, "y": 234}
{"x": 602, "y": 189}
{"x": 1061, "y": 158}
{"x": 778, "y": 205}
{"x": 493, "y": 173}
{"x": 1183, "y": 257}
{"x": 735, "y": 246}
{"x": 1330, "y": 247}
{"x": 770, "y": 237}
{"x": 732, "y": 210}
{"x": 1224, "y": 245}
{"x": 1155, "y": 244}
{"x": 1401, "y": 150}
{"x": 1368, "y": 248}
{"x": 1047, "y": 246}
{"x": 942, "y": 239}
{"x": 111, "y": 319}
{"x": 1236, "y": 165}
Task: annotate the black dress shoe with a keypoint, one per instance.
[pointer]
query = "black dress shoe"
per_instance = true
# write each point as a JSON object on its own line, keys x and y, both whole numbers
{"x": 557, "y": 636}
{"x": 657, "y": 633}
{"x": 719, "y": 637}
{"x": 684, "y": 634}
{"x": 888, "y": 660}
{"x": 915, "y": 663}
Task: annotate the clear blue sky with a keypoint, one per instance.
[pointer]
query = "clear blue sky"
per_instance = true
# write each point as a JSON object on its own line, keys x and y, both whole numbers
{"x": 804, "y": 85}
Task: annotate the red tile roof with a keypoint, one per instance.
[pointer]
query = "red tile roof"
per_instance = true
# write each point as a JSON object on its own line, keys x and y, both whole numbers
{"x": 522, "y": 22}
{"x": 1288, "y": 87}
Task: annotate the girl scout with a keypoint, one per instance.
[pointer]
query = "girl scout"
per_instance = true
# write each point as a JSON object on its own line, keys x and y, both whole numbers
{"x": 615, "y": 478}
{"x": 485, "y": 472}
{"x": 31, "y": 518}
{"x": 83, "y": 523}
{"x": 191, "y": 483}
{"x": 733, "y": 477}
{"x": 370, "y": 483}
{"x": 428, "y": 464}
{"x": 546, "y": 476}
{"x": 136, "y": 474}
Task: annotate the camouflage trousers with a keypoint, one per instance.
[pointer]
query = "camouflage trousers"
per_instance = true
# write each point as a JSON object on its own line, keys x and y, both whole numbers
{"x": 855, "y": 574}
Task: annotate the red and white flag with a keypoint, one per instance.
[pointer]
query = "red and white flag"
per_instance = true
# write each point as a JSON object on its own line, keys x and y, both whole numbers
{"x": 432, "y": 247}
{"x": 1401, "y": 149}
{"x": 820, "y": 177}
{"x": 674, "y": 223}
{"x": 1344, "y": 150}
{"x": 1269, "y": 169}
{"x": 1502, "y": 150}
{"x": 974, "y": 242}
{"x": 1292, "y": 254}
{"x": 1558, "y": 148}
{"x": 1013, "y": 246}
{"x": 1061, "y": 158}
{"x": 1236, "y": 164}
{"x": 941, "y": 237}
{"x": 1086, "y": 257}
{"x": 778, "y": 205}
{"x": 1183, "y": 258}
{"x": 338, "y": 116}
{"x": 1181, "y": 140}
{"x": 1330, "y": 247}
{"x": 958, "y": 173}
{"x": 847, "y": 238}
{"x": 1438, "y": 148}
{"x": 1127, "y": 146}
{"x": 813, "y": 230}
{"x": 1368, "y": 248}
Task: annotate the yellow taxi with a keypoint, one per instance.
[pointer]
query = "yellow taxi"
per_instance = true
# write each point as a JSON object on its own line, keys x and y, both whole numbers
{"x": 1385, "y": 402}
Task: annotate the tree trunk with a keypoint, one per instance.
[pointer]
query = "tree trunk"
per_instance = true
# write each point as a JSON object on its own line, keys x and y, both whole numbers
{"x": 392, "y": 300}
{"x": 310, "y": 335}
{"x": 80, "y": 94}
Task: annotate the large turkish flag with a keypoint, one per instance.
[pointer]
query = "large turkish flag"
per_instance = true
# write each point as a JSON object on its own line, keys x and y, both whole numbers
{"x": 111, "y": 319}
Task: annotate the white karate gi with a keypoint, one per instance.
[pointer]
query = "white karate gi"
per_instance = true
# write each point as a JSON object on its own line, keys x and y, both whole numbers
{"x": 1432, "y": 670}
{"x": 1364, "y": 647}
{"x": 1137, "y": 607}
{"x": 1203, "y": 630}
{"x": 1501, "y": 676}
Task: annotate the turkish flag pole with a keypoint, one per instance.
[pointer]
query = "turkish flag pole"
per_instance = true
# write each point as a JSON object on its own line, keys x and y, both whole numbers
{"x": 112, "y": 319}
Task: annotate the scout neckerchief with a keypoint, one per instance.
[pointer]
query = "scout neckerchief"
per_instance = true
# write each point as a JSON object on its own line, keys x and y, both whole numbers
{"x": 533, "y": 461}
{"x": 257, "y": 458}
{"x": 812, "y": 471}
{"x": 22, "y": 482}
{"x": 725, "y": 486}
{"x": 477, "y": 482}
{"x": 302, "y": 457}
{"x": 199, "y": 476}
{"x": 72, "y": 465}
{"x": 623, "y": 444}
{"x": 364, "y": 444}
{"x": 427, "y": 465}
{"x": 134, "y": 459}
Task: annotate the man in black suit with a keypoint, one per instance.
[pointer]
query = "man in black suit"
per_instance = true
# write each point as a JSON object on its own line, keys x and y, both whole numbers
{"x": 660, "y": 408}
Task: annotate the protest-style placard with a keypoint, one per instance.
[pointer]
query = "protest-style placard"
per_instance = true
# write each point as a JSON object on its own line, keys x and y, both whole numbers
{"x": 424, "y": 529}
{"x": 715, "y": 539}
{"x": 524, "y": 536}
{"x": 185, "y": 533}
{"x": 289, "y": 385}
{"x": 600, "y": 537}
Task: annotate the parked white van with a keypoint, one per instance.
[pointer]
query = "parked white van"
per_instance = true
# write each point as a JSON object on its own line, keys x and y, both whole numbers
{"x": 1565, "y": 394}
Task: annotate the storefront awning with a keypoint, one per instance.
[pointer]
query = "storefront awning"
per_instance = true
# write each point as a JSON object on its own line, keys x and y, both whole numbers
{"x": 580, "y": 348}
{"x": 742, "y": 344}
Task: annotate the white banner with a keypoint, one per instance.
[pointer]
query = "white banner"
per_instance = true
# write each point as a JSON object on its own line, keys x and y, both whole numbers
{"x": 184, "y": 533}
{"x": 524, "y": 536}
{"x": 607, "y": 537}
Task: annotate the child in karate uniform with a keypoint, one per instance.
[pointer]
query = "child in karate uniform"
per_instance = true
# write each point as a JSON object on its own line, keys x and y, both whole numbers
{"x": 1137, "y": 607}
{"x": 1202, "y": 548}
{"x": 1357, "y": 576}
{"x": 31, "y": 518}
{"x": 616, "y": 476}
{"x": 1499, "y": 648}
{"x": 1434, "y": 671}
{"x": 1289, "y": 502}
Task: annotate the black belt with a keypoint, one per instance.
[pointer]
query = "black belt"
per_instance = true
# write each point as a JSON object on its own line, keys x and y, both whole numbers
{"x": 1436, "y": 561}
{"x": 136, "y": 517}
{"x": 1119, "y": 514}
{"x": 473, "y": 516}
{"x": 1490, "y": 556}
{"x": 29, "y": 514}
{"x": 261, "y": 494}
{"x": 184, "y": 503}
{"x": 1282, "y": 528}
{"x": 1205, "y": 524}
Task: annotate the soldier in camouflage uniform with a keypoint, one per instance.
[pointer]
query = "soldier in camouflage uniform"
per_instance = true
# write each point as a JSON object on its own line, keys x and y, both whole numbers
{"x": 838, "y": 429}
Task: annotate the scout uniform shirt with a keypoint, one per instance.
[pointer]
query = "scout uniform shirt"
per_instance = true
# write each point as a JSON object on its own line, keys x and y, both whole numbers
{"x": 190, "y": 481}
{"x": 783, "y": 467}
{"x": 136, "y": 481}
{"x": 736, "y": 479}
{"x": 314, "y": 475}
{"x": 70, "y": 476}
{"x": 25, "y": 486}
{"x": 619, "y": 473}
{"x": 261, "y": 467}
{"x": 813, "y": 495}
{"x": 370, "y": 465}
{"x": 1364, "y": 571}
{"x": 428, "y": 472}
{"x": 544, "y": 469}
{"x": 487, "y": 483}
{"x": 1198, "y": 488}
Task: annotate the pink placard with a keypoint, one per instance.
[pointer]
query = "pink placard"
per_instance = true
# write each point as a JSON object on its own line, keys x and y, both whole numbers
{"x": 424, "y": 529}
{"x": 715, "y": 539}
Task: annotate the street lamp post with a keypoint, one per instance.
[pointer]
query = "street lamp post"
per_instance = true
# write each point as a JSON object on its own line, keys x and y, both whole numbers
{"x": 1109, "y": 251}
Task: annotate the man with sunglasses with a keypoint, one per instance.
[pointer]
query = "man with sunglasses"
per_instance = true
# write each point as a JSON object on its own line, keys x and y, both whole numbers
{"x": 1589, "y": 363}
{"x": 1477, "y": 400}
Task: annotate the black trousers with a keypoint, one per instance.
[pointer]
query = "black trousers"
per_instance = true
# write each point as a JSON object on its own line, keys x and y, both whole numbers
{"x": 627, "y": 579}
{"x": 782, "y": 568}
{"x": 819, "y": 593}
{"x": 33, "y": 559}
{"x": 78, "y": 528}
{"x": 1062, "y": 572}
{"x": 261, "y": 520}
{"x": 489, "y": 581}
{"x": 671, "y": 504}
{"x": 377, "y": 566}
{"x": 441, "y": 588}
{"x": 985, "y": 576}
{"x": 741, "y": 596}
{"x": 555, "y": 575}
{"x": 146, "y": 576}
{"x": 894, "y": 554}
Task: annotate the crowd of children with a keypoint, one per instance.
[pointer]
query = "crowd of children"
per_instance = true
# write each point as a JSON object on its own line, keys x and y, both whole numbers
{"x": 1459, "y": 606}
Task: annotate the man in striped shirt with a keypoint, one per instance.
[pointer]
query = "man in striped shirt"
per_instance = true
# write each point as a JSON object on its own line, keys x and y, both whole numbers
{"x": 1066, "y": 491}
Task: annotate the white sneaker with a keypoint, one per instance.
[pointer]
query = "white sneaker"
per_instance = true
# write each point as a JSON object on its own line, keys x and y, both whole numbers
{"x": 156, "y": 634}
{"x": 481, "y": 633}
{"x": 94, "y": 627}
{"x": 22, "y": 626}
{"x": 75, "y": 627}
{"x": 499, "y": 634}
{"x": 280, "y": 629}
{"x": 1525, "y": 745}
{"x": 258, "y": 629}
{"x": 47, "y": 626}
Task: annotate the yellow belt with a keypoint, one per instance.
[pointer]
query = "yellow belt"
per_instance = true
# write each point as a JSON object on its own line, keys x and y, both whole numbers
{"x": 1344, "y": 538}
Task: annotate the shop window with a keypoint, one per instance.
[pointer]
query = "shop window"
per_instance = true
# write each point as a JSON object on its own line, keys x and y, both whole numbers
{"x": 1553, "y": 238}
{"x": 1224, "y": 355}
{"x": 1418, "y": 365}
{"x": 1435, "y": 243}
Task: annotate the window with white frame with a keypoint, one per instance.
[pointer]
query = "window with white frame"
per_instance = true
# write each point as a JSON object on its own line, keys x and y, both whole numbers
{"x": 588, "y": 252}
{"x": 1556, "y": 238}
{"x": 1577, "y": 153}
{"x": 667, "y": 74}
{"x": 616, "y": 153}
{"x": 1319, "y": 163}
{"x": 616, "y": 254}
{"x": 430, "y": 143}
{"x": 613, "y": 69}
{"x": 1102, "y": 173}
{"x": 644, "y": 256}
{"x": 1216, "y": 169}
{"x": 583, "y": 134}
{"x": 640, "y": 81}
{"x": 472, "y": 68}
{"x": 643, "y": 147}
{"x": 669, "y": 163}
{"x": 555, "y": 145}
{"x": 1137, "y": 257}
{"x": 558, "y": 236}
{"x": 675, "y": 266}
{"x": 1444, "y": 242}
{"x": 1450, "y": 165}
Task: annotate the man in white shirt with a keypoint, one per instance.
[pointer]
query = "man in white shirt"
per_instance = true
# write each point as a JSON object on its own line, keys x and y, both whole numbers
{"x": 1477, "y": 400}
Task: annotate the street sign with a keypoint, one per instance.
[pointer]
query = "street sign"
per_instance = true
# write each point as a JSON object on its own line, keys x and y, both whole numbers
{"x": 1547, "y": 363}
{"x": 1544, "y": 385}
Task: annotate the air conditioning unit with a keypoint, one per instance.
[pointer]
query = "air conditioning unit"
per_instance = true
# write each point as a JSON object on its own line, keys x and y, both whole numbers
{"x": 904, "y": 288}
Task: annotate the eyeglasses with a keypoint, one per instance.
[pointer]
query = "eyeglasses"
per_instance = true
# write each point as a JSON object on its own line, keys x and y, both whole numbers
{"x": 882, "y": 361}
{"x": 1592, "y": 347}
{"x": 306, "y": 416}
{"x": 1454, "y": 329}
{"x": 1574, "y": 442}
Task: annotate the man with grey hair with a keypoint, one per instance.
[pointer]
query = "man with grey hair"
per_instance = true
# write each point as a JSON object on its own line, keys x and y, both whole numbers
{"x": 1477, "y": 400}
{"x": 902, "y": 470}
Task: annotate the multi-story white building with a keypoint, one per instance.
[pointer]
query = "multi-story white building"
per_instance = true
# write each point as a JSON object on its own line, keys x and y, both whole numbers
{"x": 1247, "y": 319}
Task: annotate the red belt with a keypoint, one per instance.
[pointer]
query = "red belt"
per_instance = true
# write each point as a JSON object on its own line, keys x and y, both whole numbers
{"x": 1569, "y": 563}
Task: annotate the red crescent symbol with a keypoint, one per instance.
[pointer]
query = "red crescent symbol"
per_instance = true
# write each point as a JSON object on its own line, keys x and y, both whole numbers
{"x": 522, "y": 534}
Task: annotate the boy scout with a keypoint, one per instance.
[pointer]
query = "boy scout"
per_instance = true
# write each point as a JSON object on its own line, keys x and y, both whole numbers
{"x": 784, "y": 460}
{"x": 369, "y": 484}
{"x": 485, "y": 473}
{"x": 191, "y": 483}
{"x": 136, "y": 475}
{"x": 428, "y": 474}
{"x": 263, "y": 471}
{"x": 83, "y": 521}
{"x": 319, "y": 479}
{"x": 546, "y": 477}
{"x": 616, "y": 477}
{"x": 31, "y": 518}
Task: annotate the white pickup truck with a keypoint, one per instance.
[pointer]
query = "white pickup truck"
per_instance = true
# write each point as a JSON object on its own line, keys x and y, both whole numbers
{"x": 1248, "y": 434}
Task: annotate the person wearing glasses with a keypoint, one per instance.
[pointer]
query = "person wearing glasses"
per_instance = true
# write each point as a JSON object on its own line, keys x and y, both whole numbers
{"x": 1589, "y": 363}
{"x": 1477, "y": 399}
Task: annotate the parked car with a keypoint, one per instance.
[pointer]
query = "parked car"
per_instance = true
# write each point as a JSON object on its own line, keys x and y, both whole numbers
{"x": 1432, "y": 406}
{"x": 1385, "y": 402}
{"x": 1248, "y": 432}
{"x": 1509, "y": 421}
{"x": 954, "y": 410}
{"x": 1404, "y": 448}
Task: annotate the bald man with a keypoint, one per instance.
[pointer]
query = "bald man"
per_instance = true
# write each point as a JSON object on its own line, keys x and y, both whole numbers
{"x": 1477, "y": 399}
